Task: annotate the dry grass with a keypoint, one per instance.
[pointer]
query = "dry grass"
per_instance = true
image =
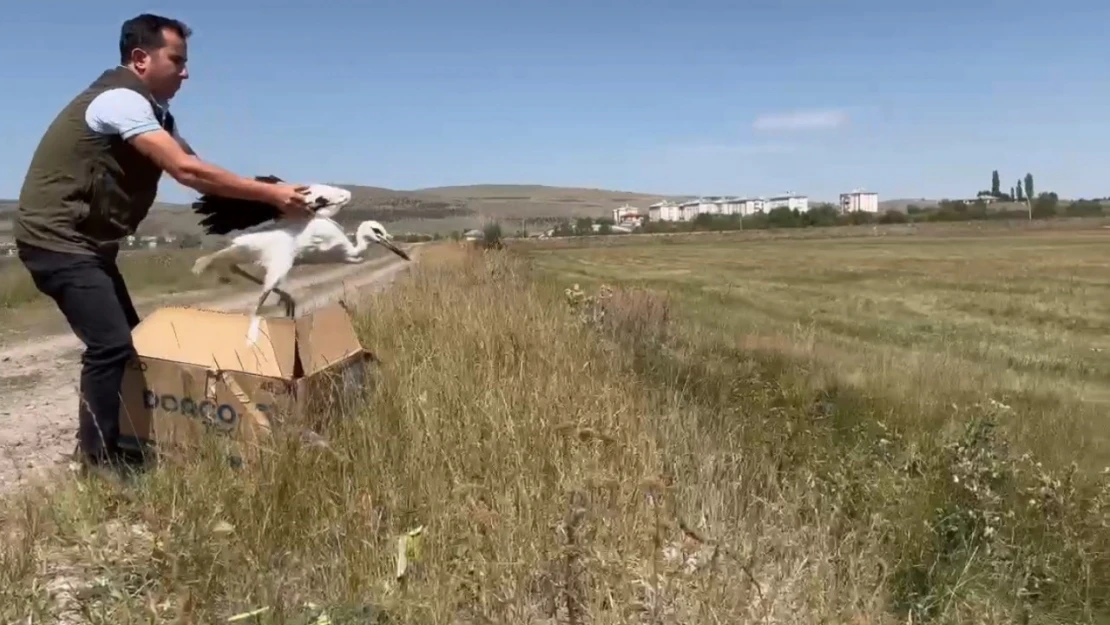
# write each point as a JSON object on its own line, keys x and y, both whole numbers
{"x": 960, "y": 379}
{"x": 614, "y": 456}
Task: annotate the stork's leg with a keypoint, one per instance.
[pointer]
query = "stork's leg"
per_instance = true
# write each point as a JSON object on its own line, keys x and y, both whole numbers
{"x": 286, "y": 300}
{"x": 256, "y": 318}
{"x": 290, "y": 304}
{"x": 261, "y": 301}
{"x": 284, "y": 296}
{"x": 277, "y": 260}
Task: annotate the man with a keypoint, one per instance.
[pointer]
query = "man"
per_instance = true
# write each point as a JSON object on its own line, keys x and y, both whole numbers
{"x": 91, "y": 181}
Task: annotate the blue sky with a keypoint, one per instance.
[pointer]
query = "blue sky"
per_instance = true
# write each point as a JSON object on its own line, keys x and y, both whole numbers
{"x": 714, "y": 97}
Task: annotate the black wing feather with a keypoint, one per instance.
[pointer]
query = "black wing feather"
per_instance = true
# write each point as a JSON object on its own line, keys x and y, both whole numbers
{"x": 224, "y": 214}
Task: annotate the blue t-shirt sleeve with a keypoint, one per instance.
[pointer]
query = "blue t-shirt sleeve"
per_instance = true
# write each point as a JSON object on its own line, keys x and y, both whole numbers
{"x": 121, "y": 112}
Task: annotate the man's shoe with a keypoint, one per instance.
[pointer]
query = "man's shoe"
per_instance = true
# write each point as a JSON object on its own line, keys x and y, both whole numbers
{"x": 117, "y": 469}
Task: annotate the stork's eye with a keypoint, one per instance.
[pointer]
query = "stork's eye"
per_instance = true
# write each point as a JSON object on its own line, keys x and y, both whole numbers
{"x": 321, "y": 202}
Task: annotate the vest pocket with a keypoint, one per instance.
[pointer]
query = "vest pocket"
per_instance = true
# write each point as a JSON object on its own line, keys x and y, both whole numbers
{"x": 107, "y": 218}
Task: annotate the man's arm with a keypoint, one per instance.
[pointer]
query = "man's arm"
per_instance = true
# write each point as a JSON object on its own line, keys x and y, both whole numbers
{"x": 162, "y": 148}
{"x": 130, "y": 115}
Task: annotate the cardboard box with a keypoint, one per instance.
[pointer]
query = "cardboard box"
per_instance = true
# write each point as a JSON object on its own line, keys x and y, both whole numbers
{"x": 196, "y": 375}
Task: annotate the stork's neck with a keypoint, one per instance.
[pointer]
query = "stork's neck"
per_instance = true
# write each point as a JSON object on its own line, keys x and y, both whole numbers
{"x": 362, "y": 242}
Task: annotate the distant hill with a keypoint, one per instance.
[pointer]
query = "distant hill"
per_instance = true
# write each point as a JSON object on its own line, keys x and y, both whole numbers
{"x": 494, "y": 201}
{"x": 460, "y": 207}
{"x": 455, "y": 207}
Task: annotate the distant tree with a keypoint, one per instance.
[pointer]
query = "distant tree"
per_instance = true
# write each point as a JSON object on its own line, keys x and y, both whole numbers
{"x": 821, "y": 215}
{"x": 1019, "y": 194}
{"x": 1084, "y": 208}
{"x": 491, "y": 235}
{"x": 893, "y": 217}
{"x": 858, "y": 218}
{"x": 1045, "y": 205}
{"x": 782, "y": 217}
{"x": 996, "y": 184}
{"x": 703, "y": 221}
{"x": 563, "y": 229}
{"x": 1029, "y": 186}
{"x": 583, "y": 225}
{"x": 1011, "y": 196}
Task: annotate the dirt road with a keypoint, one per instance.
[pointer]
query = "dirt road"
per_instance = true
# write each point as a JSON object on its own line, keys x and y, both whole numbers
{"x": 38, "y": 378}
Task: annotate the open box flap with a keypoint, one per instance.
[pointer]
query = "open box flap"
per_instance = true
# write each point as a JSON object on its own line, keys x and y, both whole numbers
{"x": 218, "y": 340}
{"x": 325, "y": 337}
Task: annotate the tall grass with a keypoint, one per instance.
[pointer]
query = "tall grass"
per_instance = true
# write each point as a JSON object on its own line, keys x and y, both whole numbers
{"x": 576, "y": 457}
{"x": 154, "y": 271}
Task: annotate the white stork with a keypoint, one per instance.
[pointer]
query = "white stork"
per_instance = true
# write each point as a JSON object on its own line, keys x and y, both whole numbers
{"x": 281, "y": 243}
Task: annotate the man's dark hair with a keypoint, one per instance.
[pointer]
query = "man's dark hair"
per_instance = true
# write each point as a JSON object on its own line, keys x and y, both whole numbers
{"x": 145, "y": 32}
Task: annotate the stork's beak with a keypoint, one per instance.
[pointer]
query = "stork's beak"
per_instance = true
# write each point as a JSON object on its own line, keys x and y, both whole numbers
{"x": 396, "y": 250}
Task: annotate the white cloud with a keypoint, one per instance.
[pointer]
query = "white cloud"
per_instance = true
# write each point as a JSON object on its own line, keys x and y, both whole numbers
{"x": 722, "y": 149}
{"x": 802, "y": 120}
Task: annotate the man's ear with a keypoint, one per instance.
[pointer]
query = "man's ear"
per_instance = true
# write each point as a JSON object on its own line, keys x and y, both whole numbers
{"x": 139, "y": 58}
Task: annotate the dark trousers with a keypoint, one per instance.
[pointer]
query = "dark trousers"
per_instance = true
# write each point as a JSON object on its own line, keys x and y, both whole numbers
{"x": 90, "y": 292}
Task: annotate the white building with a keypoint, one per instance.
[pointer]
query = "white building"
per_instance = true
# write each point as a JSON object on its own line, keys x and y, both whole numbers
{"x": 788, "y": 200}
{"x": 859, "y": 200}
{"x": 719, "y": 205}
{"x": 707, "y": 205}
{"x": 751, "y": 206}
{"x": 665, "y": 210}
{"x": 627, "y": 216}
{"x": 727, "y": 205}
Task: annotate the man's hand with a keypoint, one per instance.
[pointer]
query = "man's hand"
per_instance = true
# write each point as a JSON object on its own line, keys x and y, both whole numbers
{"x": 290, "y": 200}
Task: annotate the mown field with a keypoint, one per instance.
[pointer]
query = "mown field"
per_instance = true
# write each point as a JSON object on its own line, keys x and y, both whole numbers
{"x": 957, "y": 392}
{"x": 887, "y": 430}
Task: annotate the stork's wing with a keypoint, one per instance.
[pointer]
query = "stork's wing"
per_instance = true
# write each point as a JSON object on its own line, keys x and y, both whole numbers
{"x": 328, "y": 211}
{"x": 223, "y": 214}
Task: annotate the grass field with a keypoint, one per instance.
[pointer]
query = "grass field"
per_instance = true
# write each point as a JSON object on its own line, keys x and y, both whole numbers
{"x": 873, "y": 430}
{"x": 1026, "y": 314}
{"x": 987, "y": 357}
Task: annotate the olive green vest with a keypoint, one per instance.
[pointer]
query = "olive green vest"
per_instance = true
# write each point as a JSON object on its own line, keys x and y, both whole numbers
{"x": 83, "y": 191}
